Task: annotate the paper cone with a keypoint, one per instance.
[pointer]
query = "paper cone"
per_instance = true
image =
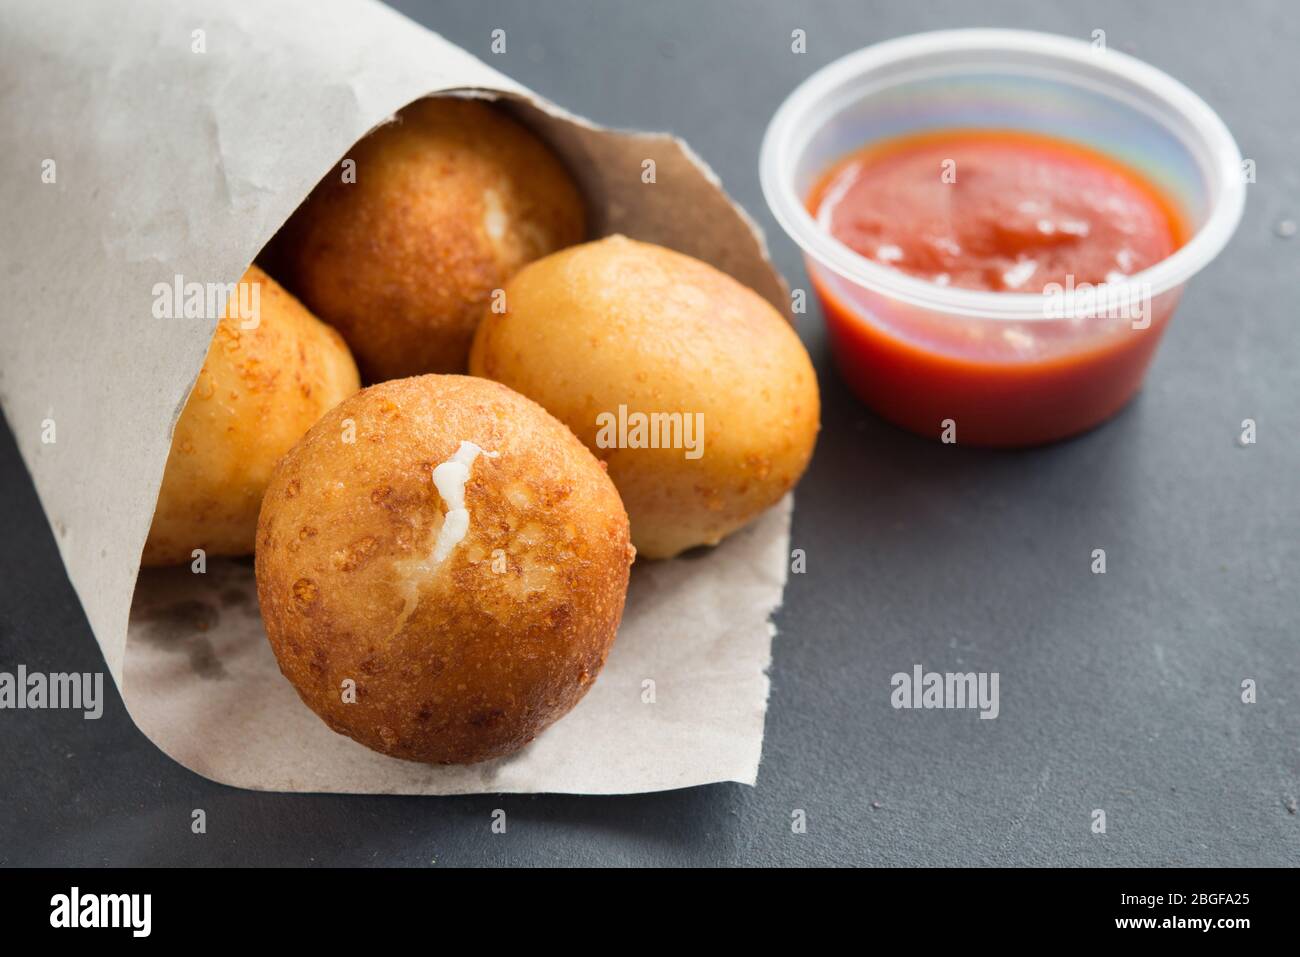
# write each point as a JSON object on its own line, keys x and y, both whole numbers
{"x": 152, "y": 139}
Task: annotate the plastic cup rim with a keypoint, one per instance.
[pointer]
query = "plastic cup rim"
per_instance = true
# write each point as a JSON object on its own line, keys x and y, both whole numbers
{"x": 1169, "y": 273}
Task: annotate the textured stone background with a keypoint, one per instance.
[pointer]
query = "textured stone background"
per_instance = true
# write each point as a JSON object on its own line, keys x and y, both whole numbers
{"x": 1118, "y": 691}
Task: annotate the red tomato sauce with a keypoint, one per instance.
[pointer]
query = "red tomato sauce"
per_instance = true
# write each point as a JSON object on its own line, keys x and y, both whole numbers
{"x": 999, "y": 211}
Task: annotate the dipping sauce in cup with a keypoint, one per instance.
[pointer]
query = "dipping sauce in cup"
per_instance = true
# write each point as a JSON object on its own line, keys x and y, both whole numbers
{"x": 999, "y": 224}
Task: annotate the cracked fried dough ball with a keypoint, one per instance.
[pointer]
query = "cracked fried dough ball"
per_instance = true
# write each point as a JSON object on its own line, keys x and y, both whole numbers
{"x": 693, "y": 390}
{"x": 456, "y": 552}
{"x": 448, "y": 203}
{"x": 259, "y": 390}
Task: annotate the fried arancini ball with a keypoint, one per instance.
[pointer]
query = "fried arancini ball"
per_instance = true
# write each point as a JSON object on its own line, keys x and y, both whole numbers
{"x": 259, "y": 390}
{"x": 456, "y": 552}
{"x": 448, "y": 203}
{"x": 635, "y": 346}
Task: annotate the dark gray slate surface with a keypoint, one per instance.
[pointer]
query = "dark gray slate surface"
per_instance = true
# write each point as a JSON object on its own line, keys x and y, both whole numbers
{"x": 1118, "y": 692}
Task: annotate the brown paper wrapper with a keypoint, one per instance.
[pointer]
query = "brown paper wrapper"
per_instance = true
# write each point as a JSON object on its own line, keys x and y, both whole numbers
{"x": 152, "y": 139}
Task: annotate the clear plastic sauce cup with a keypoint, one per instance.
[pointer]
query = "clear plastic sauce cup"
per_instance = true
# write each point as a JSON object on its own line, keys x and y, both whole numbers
{"x": 1000, "y": 368}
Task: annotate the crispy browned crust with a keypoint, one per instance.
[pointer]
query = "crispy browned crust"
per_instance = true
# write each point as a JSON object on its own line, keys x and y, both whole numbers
{"x": 505, "y": 635}
{"x": 401, "y": 261}
{"x": 623, "y": 322}
{"x": 259, "y": 390}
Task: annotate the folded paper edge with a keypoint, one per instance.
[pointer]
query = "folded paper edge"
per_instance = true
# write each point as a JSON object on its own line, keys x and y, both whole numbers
{"x": 103, "y": 615}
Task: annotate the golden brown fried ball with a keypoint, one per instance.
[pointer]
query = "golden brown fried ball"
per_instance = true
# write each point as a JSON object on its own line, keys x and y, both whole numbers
{"x": 461, "y": 649}
{"x": 448, "y": 203}
{"x": 259, "y": 390}
{"x": 615, "y": 338}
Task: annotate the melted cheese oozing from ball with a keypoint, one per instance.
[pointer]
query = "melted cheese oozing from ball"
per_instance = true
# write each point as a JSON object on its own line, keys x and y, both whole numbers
{"x": 450, "y": 478}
